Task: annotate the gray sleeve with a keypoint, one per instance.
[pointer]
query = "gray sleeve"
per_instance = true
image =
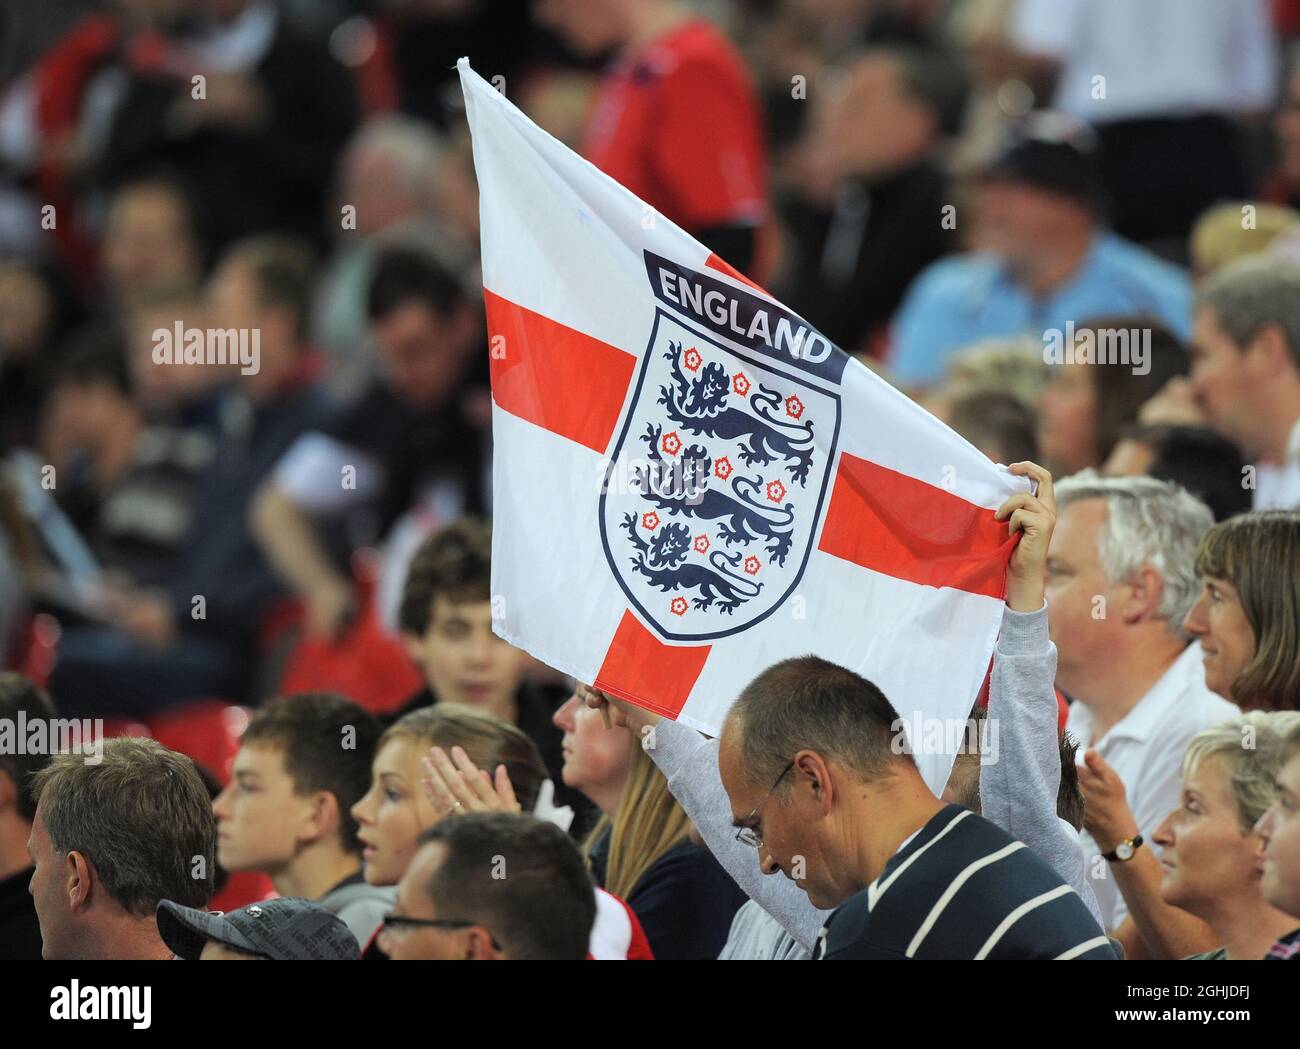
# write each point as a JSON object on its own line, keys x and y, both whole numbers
{"x": 690, "y": 762}
{"x": 1020, "y": 771}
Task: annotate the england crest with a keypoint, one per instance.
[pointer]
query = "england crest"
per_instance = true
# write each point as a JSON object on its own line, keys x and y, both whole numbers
{"x": 716, "y": 484}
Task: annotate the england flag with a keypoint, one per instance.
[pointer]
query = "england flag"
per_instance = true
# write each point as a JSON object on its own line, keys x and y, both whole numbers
{"x": 690, "y": 482}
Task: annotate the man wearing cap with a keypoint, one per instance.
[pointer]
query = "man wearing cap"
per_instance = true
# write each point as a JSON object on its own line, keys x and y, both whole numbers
{"x": 285, "y": 929}
{"x": 1043, "y": 258}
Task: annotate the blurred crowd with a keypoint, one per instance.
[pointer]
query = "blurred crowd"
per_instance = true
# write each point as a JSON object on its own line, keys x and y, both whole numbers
{"x": 1068, "y": 228}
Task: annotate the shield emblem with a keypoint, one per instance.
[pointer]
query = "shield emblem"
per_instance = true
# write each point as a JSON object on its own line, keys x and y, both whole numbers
{"x": 713, "y": 495}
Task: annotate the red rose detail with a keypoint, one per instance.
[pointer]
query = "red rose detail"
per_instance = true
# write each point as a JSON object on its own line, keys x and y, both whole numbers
{"x": 740, "y": 384}
{"x": 775, "y": 491}
{"x": 693, "y": 359}
{"x": 793, "y": 407}
{"x": 701, "y": 543}
{"x": 752, "y": 565}
{"x": 678, "y": 606}
{"x": 650, "y": 521}
{"x": 722, "y": 468}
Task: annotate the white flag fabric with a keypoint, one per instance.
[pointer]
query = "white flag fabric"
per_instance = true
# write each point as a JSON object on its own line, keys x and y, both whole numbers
{"x": 690, "y": 483}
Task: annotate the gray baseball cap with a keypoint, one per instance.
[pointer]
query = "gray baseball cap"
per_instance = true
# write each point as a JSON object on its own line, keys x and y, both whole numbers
{"x": 284, "y": 929}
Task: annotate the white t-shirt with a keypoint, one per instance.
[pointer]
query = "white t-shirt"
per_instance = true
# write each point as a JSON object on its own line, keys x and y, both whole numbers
{"x": 1159, "y": 58}
{"x": 1146, "y": 748}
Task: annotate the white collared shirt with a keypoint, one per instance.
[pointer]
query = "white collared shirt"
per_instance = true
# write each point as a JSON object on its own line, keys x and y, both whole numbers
{"x": 1277, "y": 487}
{"x": 1146, "y": 748}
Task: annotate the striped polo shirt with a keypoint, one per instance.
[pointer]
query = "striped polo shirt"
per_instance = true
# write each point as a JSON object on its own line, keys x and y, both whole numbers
{"x": 963, "y": 888}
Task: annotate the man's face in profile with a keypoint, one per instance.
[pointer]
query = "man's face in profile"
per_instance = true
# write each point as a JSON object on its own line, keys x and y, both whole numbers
{"x": 46, "y": 888}
{"x": 787, "y": 827}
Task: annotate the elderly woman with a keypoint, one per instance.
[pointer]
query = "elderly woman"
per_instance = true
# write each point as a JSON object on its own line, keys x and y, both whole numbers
{"x": 1203, "y": 898}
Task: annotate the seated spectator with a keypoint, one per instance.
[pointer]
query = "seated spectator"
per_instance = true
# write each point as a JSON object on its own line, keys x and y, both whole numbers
{"x": 1025, "y": 791}
{"x": 1192, "y": 457}
{"x": 640, "y": 850}
{"x": 148, "y": 242}
{"x": 20, "y": 935}
{"x": 1245, "y": 618}
{"x": 112, "y": 840}
{"x": 390, "y": 173}
{"x": 398, "y": 807}
{"x": 1246, "y": 369}
{"x": 1043, "y": 259}
{"x": 876, "y": 141}
{"x": 284, "y": 929}
{"x": 492, "y": 886}
{"x": 1121, "y": 579}
{"x": 446, "y": 620}
{"x": 130, "y": 488}
{"x": 406, "y": 453}
{"x": 195, "y": 634}
{"x": 303, "y": 762}
{"x": 1210, "y": 859}
{"x": 1085, "y": 406}
{"x": 1280, "y": 830}
{"x": 1230, "y": 231}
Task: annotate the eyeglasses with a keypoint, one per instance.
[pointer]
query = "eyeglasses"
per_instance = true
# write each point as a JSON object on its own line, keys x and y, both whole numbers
{"x": 400, "y": 923}
{"x": 747, "y": 834}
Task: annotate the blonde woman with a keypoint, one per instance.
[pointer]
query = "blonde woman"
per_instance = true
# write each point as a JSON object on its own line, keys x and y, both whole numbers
{"x": 1205, "y": 890}
{"x": 397, "y": 807}
{"x": 641, "y": 850}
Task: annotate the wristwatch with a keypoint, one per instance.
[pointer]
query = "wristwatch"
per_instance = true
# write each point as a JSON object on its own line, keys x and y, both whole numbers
{"x": 1124, "y": 850}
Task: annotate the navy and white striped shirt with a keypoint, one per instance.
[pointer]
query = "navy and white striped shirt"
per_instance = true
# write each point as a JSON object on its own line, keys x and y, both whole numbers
{"x": 963, "y": 888}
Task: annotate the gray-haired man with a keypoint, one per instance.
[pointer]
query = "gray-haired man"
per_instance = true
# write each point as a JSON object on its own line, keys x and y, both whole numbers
{"x": 1120, "y": 580}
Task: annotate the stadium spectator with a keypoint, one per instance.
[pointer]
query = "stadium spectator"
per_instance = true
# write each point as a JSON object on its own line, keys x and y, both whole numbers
{"x": 398, "y": 807}
{"x": 1154, "y": 107}
{"x": 875, "y": 140}
{"x": 1208, "y": 877}
{"x": 408, "y": 452}
{"x": 446, "y": 620}
{"x": 640, "y": 850}
{"x": 1192, "y": 457}
{"x": 492, "y": 885}
{"x": 303, "y": 763}
{"x": 1120, "y": 582}
{"x": 129, "y": 488}
{"x": 20, "y": 934}
{"x": 1280, "y": 830}
{"x": 1247, "y": 617}
{"x": 1246, "y": 369}
{"x": 113, "y": 839}
{"x": 391, "y": 177}
{"x": 284, "y": 929}
{"x": 1119, "y": 364}
{"x": 676, "y": 119}
{"x": 1043, "y": 259}
{"x": 195, "y": 634}
{"x": 149, "y": 241}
